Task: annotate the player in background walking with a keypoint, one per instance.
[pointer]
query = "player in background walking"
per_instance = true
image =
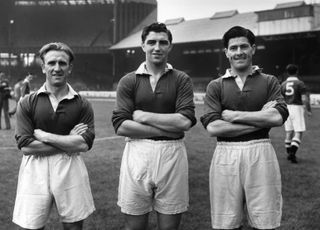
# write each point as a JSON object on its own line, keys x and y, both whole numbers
{"x": 297, "y": 99}
{"x": 5, "y": 91}
{"x": 21, "y": 88}
{"x": 25, "y": 86}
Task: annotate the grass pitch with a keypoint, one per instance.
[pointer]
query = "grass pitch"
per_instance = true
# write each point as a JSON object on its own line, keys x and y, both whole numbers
{"x": 301, "y": 182}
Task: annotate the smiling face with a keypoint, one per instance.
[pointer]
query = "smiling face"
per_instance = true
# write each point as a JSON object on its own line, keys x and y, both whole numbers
{"x": 156, "y": 47}
{"x": 240, "y": 53}
{"x": 56, "y": 66}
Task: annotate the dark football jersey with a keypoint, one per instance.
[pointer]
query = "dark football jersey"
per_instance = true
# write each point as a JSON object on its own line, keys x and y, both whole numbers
{"x": 292, "y": 90}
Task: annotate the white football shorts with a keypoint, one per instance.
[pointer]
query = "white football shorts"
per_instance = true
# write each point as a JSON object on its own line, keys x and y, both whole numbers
{"x": 295, "y": 121}
{"x": 245, "y": 175}
{"x": 153, "y": 176}
{"x": 44, "y": 181}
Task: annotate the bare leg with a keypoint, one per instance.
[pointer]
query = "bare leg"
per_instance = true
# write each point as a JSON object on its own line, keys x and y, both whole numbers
{"x": 289, "y": 136}
{"x": 297, "y": 136}
{"x": 133, "y": 222}
{"x": 295, "y": 144}
{"x": 73, "y": 226}
{"x": 168, "y": 222}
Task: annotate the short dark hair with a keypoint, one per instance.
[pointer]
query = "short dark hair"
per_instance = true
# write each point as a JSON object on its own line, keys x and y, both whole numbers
{"x": 156, "y": 27}
{"x": 59, "y": 46}
{"x": 238, "y": 31}
{"x": 292, "y": 69}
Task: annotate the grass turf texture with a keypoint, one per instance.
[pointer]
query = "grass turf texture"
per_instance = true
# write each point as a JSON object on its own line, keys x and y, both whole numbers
{"x": 301, "y": 182}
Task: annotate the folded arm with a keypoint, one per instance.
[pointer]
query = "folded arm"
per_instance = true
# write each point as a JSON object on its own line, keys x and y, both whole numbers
{"x": 134, "y": 129}
{"x": 236, "y": 123}
{"x": 47, "y": 144}
{"x": 55, "y": 144}
{"x": 263, "y": 119}
{"x": 71, "y": 143}
{"x": 223, "y": 128}
{"x": 171, "y": 122}
{"x": 39, "y": 148}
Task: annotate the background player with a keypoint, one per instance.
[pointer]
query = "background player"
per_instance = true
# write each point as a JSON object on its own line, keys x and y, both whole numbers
{"x": 25, "y": 86}
{"x": 153, "y": 109}
{"x": 240, "y": 109}
{"x": 296, "y": 97}
{"x": 16, "y": 95}
{"x": 4, "y": 99}
{"x": 21, "y": 88}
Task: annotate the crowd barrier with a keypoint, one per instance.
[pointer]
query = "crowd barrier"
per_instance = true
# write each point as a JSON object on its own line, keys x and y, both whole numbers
{"x": 198, "y": 97}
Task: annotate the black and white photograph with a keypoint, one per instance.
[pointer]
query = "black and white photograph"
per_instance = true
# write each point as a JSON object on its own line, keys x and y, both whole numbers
{"x": 159, "y": 114}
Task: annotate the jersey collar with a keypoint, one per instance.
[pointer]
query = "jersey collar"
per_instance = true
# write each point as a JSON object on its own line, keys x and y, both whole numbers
{"x": 255, "y": 70}
{"x": 71, "y": 92}
{"x": 142, "y": 70}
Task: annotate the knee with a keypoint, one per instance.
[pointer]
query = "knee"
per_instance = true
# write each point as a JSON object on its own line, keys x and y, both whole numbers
{"x": 127, "y": 227}
{"x": 134, "y": 225}
{"x": 73, "y": 226}
{"x": 168, "y": 226}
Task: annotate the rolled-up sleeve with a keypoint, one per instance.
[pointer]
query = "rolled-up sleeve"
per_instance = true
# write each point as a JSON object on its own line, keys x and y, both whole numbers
{"x": 124, "y": 101}
{"x": 212, "y": 103}
{"x": 24, "y": 125}
{"x": 184, "y": 103}
{"x": 275, "y": 95}
{"x": 87, "y": 117}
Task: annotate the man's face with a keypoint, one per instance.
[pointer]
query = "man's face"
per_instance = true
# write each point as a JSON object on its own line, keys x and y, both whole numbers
{"x": 156, "y": 47}
{"x": 56, "y": 67}
{"x": 29, "y": 77}
{"x": 239, "y": 53}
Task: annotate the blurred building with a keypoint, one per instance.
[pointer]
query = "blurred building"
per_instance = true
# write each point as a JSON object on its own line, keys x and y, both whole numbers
{"x": 289, "y": 33}
{"x": 90, "y": 27}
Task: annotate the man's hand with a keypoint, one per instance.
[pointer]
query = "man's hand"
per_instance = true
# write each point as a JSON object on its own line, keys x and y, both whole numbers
{"x": 268, "y": 105}
{"x": 79, "y": 129}
{"x": 40, "y": 135}
{"x": 138, "y": 116}
{"x": 228, "y": 115}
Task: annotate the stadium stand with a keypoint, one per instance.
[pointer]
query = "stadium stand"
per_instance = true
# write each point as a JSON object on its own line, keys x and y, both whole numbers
{"x": 288, "y": 33}
{"x": 90, "y": 27}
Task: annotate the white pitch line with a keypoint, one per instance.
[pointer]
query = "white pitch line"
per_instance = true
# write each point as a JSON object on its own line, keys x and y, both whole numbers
{"x": 8, "y": 148}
